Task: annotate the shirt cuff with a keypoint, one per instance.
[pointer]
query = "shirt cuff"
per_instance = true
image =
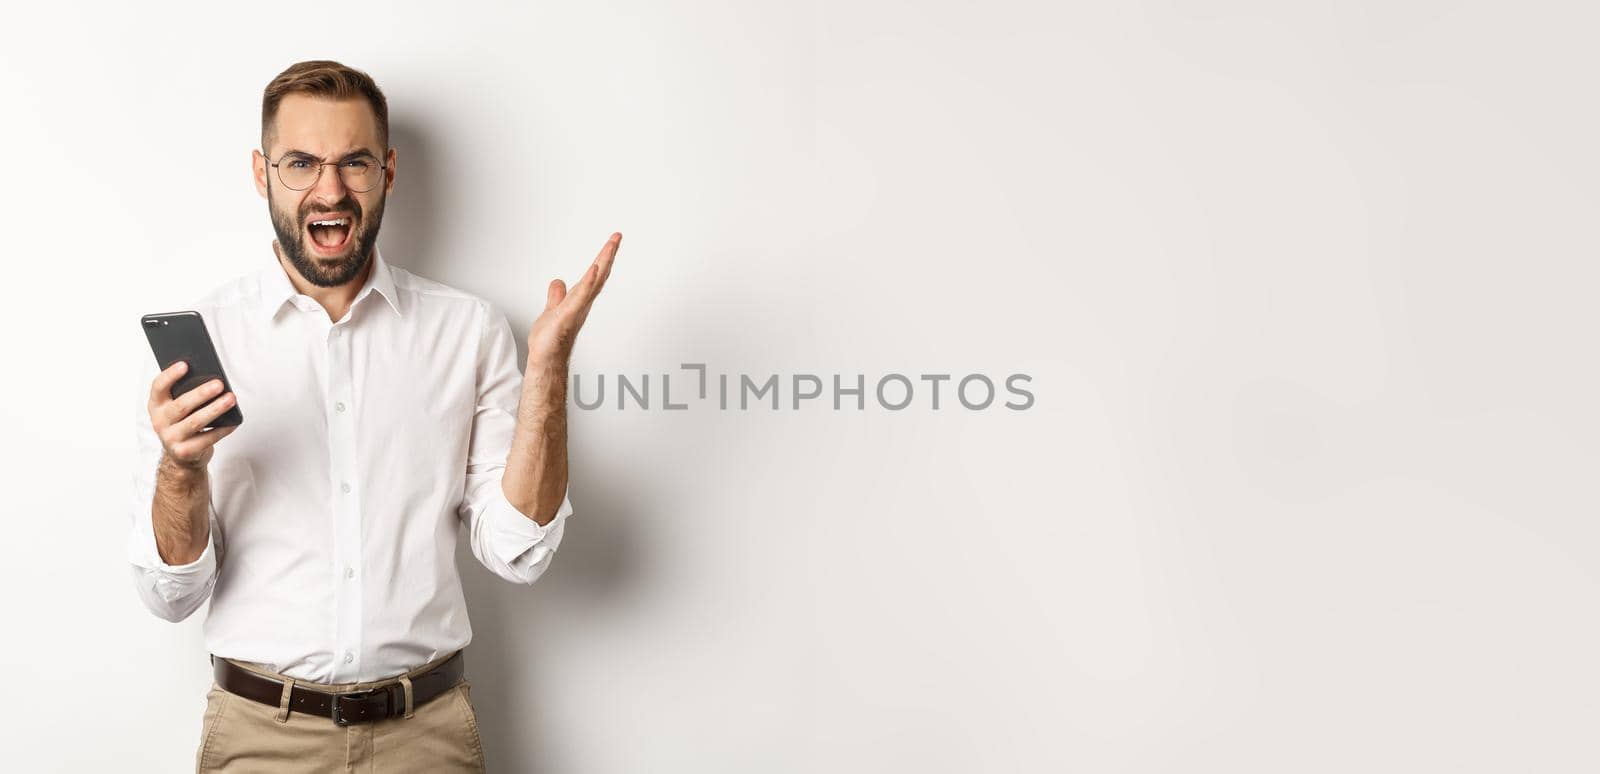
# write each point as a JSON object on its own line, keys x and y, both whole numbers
{"x": 513, "y": 529}
{"x": 201, "y": 566}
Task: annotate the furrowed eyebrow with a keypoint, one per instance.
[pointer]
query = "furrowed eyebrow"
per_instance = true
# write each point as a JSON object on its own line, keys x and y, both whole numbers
{"x": 346, "y": 157}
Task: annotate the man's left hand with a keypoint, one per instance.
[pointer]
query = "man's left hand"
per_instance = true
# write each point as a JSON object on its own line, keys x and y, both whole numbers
{"x": 553, "y": 334}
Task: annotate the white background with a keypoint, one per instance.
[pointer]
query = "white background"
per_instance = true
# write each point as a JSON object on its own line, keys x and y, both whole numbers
{"x": 1306, "y": 291}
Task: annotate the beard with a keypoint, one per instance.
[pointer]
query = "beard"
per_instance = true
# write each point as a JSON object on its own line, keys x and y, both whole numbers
{"x": 317, "y": 270}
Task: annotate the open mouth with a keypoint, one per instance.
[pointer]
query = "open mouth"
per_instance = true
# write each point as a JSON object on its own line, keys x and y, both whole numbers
{"x": 329, "y": 236}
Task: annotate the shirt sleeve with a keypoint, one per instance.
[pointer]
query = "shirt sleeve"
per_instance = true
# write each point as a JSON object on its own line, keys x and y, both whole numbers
{"x": 504, "y": 540}
{"x": 172, "y": 591}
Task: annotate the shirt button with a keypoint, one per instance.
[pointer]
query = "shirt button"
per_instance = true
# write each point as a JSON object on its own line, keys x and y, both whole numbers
{"x": 345, "y": 486}
{"x": 349, "y": 572}
{"x": 338, "y": 406}
{"x": 349, "y": 657}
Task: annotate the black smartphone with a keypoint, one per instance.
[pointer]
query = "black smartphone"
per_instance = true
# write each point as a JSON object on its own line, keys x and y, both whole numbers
{"x": 178, "y": 336}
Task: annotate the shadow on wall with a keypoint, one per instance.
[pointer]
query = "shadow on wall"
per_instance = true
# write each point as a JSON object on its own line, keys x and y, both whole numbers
{"x": 597, "y": 557}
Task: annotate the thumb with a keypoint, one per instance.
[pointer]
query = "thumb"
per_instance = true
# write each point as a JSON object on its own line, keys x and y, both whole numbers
{"x": 557, "y": 291}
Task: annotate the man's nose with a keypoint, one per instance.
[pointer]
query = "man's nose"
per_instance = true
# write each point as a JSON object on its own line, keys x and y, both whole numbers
{"x": 330, "y": 186}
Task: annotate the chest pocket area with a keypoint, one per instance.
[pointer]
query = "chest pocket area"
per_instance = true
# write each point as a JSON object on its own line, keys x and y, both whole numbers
{"x": 425, "y": 425}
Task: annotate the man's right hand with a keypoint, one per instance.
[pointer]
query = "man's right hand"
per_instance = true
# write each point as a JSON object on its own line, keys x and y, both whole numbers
{"x": 178, "y": 421}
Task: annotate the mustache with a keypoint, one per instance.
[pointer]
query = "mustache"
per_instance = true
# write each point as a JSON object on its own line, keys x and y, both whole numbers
{"x": 344, "y": 206}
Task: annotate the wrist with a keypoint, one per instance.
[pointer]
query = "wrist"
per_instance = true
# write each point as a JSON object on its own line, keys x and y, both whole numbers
{"x": 546, "y": 363}
{"x": 183, "y": 471}
{"x": 544, "y": 385}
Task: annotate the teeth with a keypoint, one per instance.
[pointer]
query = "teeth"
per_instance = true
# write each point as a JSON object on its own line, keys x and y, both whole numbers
{"x": 339, "y": 222}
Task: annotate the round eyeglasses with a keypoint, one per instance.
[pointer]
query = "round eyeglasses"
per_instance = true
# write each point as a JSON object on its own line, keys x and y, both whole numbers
{"x": 299, "y": 171}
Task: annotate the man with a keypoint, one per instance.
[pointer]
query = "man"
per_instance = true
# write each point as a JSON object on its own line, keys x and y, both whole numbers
{"x": 381, "y": 410}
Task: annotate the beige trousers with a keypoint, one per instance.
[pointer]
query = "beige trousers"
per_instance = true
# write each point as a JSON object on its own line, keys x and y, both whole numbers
{"x": 240, "y": 736}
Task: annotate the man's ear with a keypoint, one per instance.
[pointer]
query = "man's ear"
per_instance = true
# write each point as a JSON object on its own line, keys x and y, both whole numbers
{"x": 388, "y": 173}
{"x": 258, "y": 170}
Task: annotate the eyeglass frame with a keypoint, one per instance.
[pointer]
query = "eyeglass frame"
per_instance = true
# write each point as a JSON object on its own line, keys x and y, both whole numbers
{"x": 382, "y": 165}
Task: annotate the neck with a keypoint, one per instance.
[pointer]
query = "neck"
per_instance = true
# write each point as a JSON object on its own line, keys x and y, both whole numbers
{"x": 335, "y": 300}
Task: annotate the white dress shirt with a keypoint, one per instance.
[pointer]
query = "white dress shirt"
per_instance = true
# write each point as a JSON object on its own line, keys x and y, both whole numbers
{"x": 335, "y": 506}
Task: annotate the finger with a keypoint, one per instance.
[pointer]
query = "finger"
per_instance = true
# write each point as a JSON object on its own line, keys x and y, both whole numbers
{"x": 205, "y": 414}
{"x": 209, "y": 437}
{"x": 601, "y": 268}
{"x": 181, "y": 406}
{"x": 584, "y": 292}
{"x": 170, "y": 410}
{"x": 161, "y": 387}
{"x": 554, "y": 294}
{"x": 216, "y": 434}
{"x": 610, "y": 259}
{"x": 608, "y": 256}
{"x": 575, "y": 296}
{"x": 196, "y": 445}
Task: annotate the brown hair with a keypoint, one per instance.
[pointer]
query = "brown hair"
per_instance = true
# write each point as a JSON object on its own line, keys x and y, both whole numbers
{"x": 322, "y": 78}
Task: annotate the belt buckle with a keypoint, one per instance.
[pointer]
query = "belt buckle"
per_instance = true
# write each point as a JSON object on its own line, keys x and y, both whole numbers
{"x": 338, "y": 716}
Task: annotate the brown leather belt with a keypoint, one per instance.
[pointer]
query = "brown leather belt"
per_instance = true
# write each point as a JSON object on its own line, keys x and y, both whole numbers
{"x": 384, "y": 701}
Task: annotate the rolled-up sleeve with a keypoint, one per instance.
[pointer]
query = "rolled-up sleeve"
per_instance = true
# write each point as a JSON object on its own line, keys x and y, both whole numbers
{"x": 504, "y": 540}
{"x": 171, "y": 591}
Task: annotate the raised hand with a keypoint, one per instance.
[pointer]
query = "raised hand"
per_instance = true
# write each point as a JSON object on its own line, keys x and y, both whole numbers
{"x": 553, "y": 334}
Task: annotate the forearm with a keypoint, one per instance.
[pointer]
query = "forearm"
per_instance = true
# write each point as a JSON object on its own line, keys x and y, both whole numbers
{"x": 535, "y": 479}
{"x": 180, "y": 512}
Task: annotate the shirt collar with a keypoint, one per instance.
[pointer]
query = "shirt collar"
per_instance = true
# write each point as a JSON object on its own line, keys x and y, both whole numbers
{"x": 276, "y": 289}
